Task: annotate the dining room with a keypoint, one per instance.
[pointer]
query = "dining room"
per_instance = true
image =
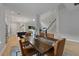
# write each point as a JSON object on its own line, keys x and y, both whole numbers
{"x": 39, "y": 29}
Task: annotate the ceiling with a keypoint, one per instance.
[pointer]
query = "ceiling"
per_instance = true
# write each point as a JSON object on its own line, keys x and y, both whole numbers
{"x": 29, "y": 10}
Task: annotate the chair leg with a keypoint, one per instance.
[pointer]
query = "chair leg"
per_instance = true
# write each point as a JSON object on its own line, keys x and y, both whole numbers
{"x": 17, "y": 53}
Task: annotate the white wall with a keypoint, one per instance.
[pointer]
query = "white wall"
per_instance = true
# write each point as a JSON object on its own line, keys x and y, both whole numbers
{"x": 14, "y": 21}
{"x": 2, "y": 27}
{"x": 69, "y": 20}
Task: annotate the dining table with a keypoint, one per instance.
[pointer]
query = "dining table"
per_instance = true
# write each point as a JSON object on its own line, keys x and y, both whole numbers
{"x": 40, "y": 44}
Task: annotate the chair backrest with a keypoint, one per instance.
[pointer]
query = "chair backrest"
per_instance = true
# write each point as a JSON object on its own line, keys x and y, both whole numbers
{"x": 49, "y": 35}
{"x": 59, "y": 47}
{"x": 26, "y": 51}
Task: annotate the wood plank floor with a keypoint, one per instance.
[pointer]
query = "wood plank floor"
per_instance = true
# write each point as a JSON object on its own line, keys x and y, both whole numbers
{"x": 11, "y": 43}
{"x": 70, "y": 47}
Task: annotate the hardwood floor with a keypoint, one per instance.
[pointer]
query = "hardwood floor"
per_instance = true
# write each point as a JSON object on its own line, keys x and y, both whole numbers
{"x": 70, "y": 47}
{"x": 12, "y": 42}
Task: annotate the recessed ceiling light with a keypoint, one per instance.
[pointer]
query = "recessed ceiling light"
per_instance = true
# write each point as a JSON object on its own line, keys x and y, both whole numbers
{"x": 33, "y": 19}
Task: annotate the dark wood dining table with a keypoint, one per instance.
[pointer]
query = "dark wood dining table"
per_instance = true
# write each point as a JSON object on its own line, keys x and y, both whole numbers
{"x": 40, "y": 44}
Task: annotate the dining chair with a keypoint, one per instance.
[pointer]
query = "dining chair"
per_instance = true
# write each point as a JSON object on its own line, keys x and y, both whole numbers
{"x": 57, "y": 49}
{"x": 26, "y": 51}
{"x": 48, "y": 35}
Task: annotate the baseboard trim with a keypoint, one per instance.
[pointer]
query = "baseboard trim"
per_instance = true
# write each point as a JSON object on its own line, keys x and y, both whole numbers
{"x": 73, "y": 40}
{"x": 69, "y": 38}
